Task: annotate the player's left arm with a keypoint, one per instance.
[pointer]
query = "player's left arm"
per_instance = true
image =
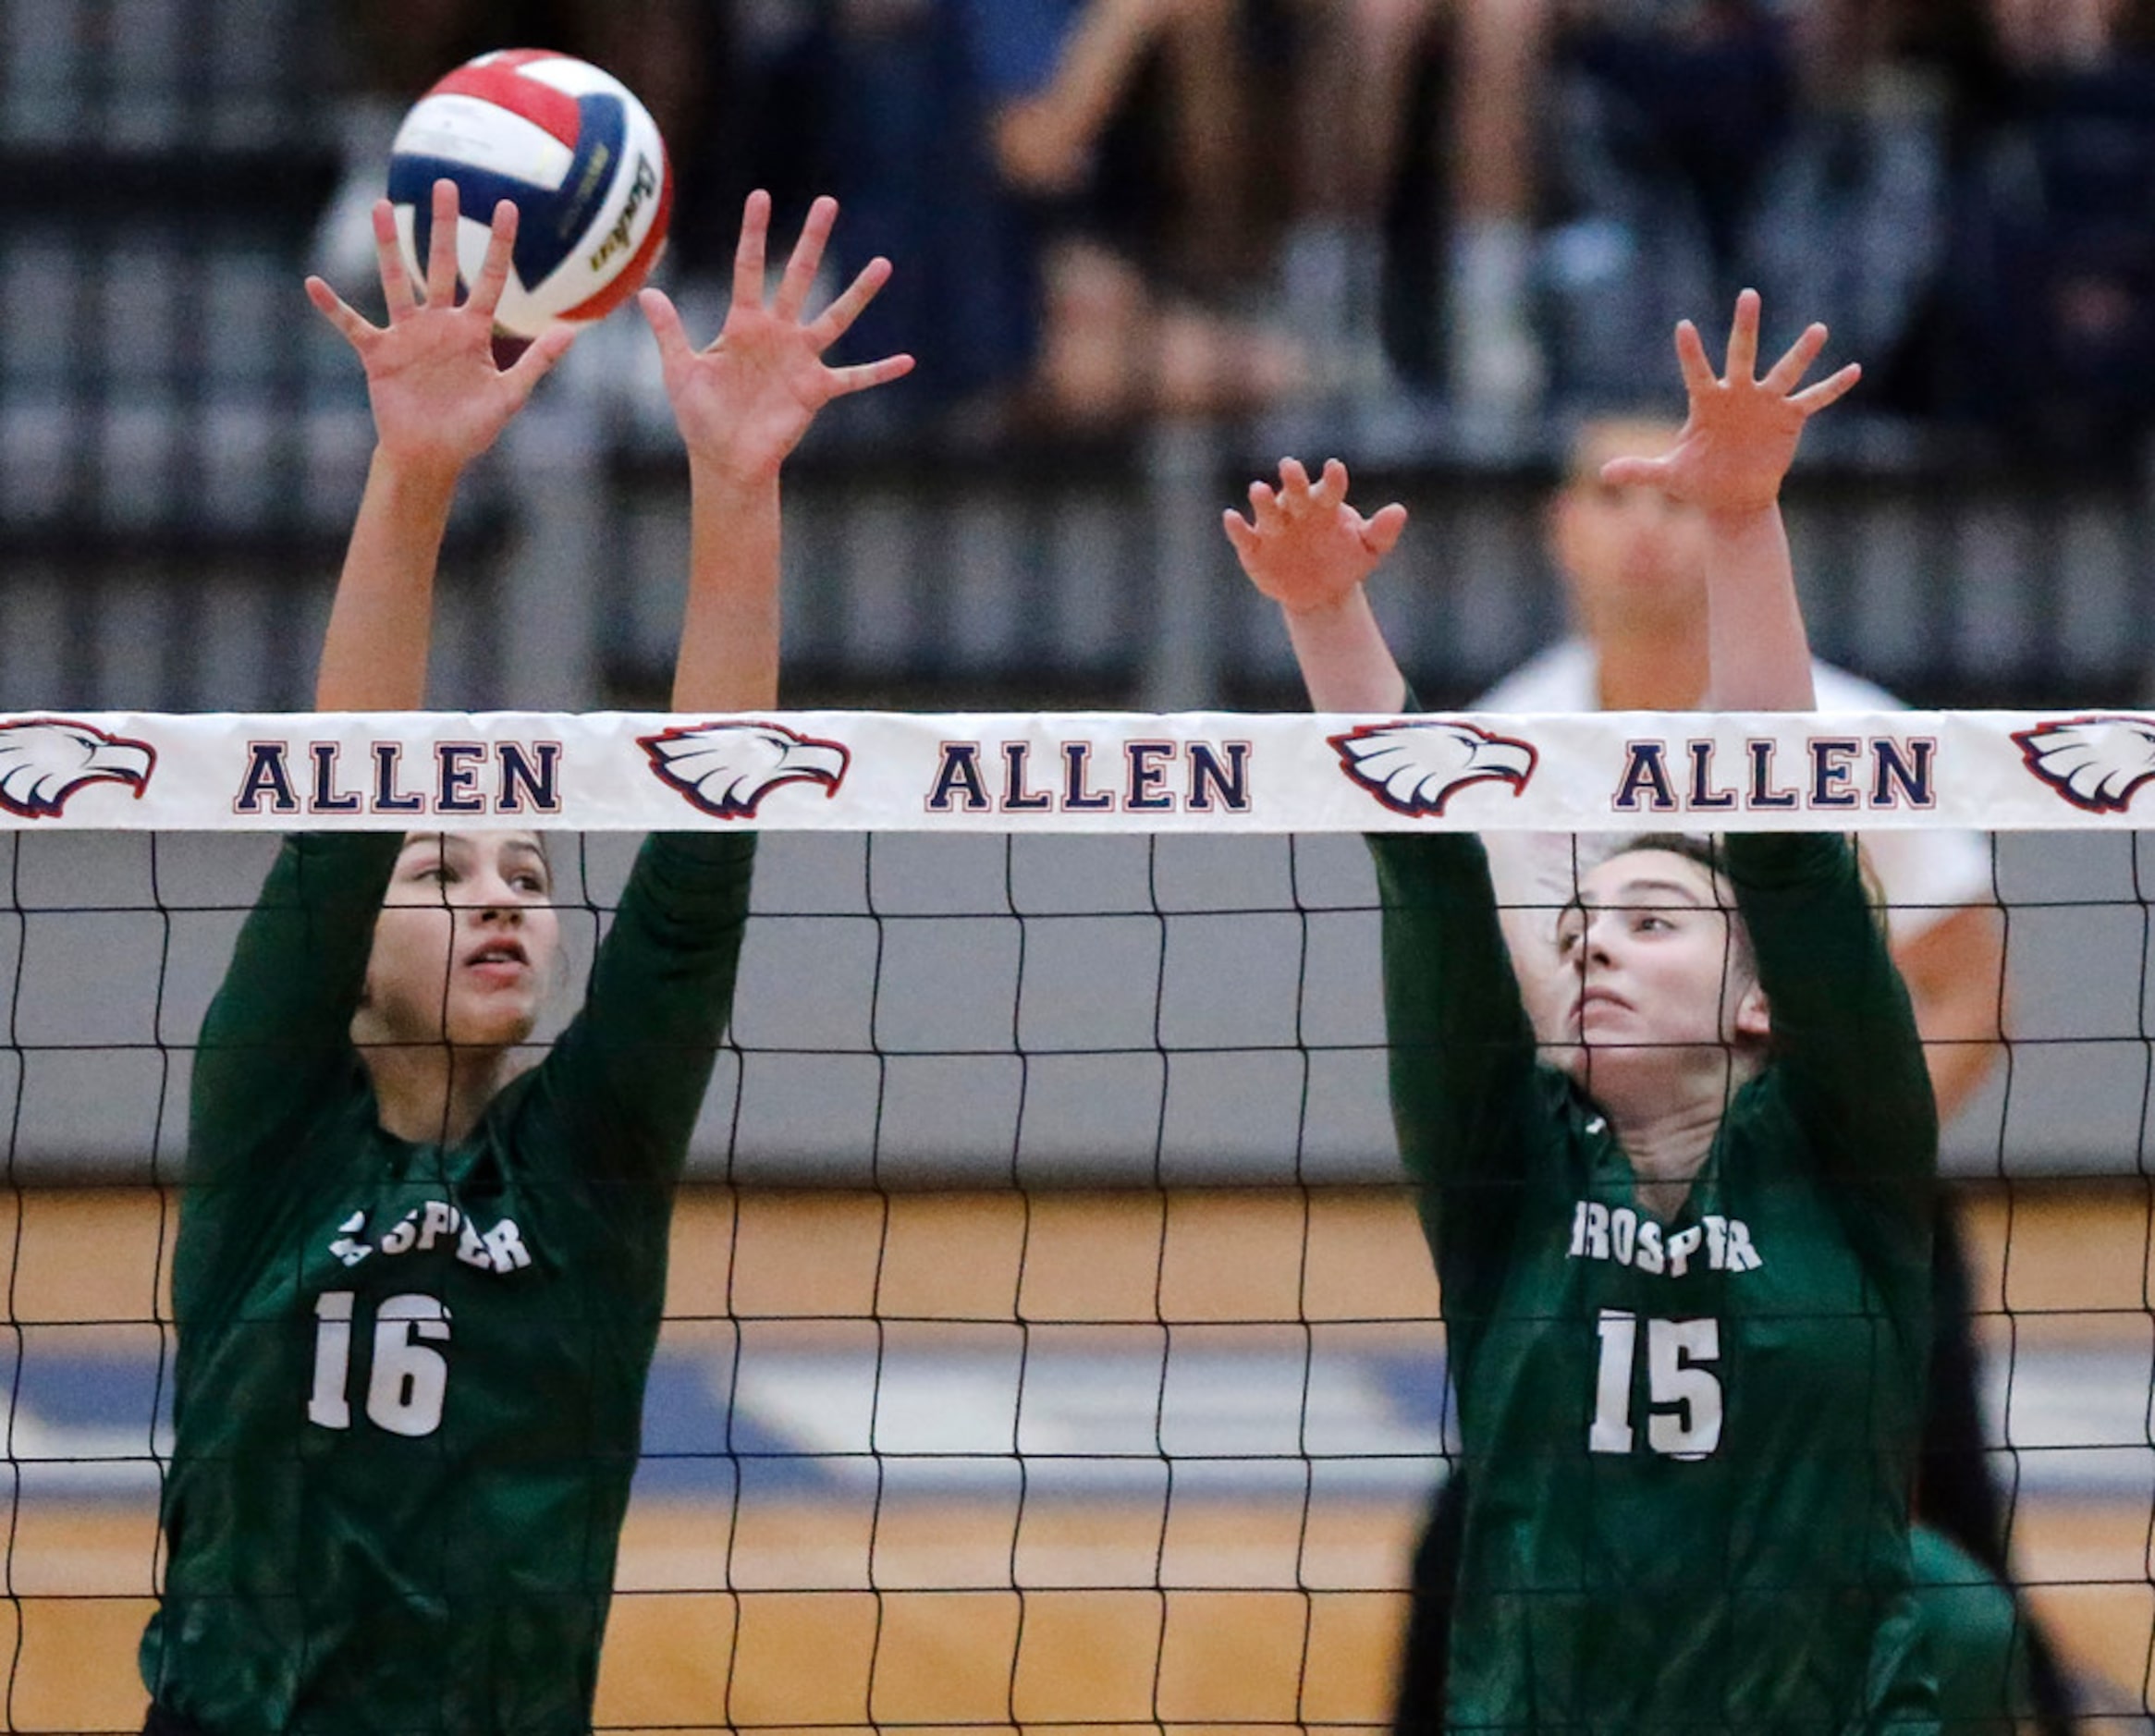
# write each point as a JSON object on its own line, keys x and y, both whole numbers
{"x": 1739, "y": 436}
{"x": 1847, "y": 1059}
{"x": 640, "y": 1052}
{"x": 1844, "y": 1034}
{"x": 743, "y": 403}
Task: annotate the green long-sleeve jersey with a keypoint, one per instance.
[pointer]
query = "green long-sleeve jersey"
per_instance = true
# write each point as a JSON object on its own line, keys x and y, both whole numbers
{"x": 1981, "y": 1643}
{"x": 1689, "y": 1443}
{"x": 409, "y": 1381}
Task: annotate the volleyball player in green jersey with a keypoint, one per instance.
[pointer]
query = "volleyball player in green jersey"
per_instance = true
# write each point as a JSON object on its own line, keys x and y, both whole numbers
{"x": 417, "y": 1293}
{"x": 1686, "y": 1263}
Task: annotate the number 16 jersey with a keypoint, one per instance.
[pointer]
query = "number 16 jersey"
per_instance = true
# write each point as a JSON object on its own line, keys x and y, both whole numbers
{"x": 409, "y": 1384}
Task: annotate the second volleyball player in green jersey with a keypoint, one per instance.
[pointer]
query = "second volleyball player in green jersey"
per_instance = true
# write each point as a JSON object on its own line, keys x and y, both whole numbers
{"x": 1692, "y": 1433}
{"x": 418, "y": 1292}
{"x": 1684, "y": 1248}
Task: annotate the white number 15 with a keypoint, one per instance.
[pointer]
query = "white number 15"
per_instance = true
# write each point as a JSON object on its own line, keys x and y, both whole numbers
{"x": 1686, "y": 1421}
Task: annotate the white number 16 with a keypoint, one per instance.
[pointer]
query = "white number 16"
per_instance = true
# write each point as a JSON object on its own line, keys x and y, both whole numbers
{"x": 409, "y": 1380}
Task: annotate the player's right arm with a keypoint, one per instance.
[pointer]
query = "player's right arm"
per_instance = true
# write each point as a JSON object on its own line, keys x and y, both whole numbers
{"x": 438, "y": 403}
{"x": 278, "y": 1033}
{"x": 280, "y": 1024}
{"x": 1304, "y": 548}
{"x": 1461, "y": 1048}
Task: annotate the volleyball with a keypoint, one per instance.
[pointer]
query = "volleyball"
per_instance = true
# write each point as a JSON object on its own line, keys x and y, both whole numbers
{"x": 577, "y": 153}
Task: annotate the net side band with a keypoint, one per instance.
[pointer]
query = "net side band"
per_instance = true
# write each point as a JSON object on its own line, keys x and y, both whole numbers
{"x": 1206, "y": 772}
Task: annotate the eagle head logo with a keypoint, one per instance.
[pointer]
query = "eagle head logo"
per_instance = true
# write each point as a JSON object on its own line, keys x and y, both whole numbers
{"x": 727, "y": 768}
{"x": 45, "y": 760}
{"x": 1417, "y": 766}
{"x": 2094, "y": 762}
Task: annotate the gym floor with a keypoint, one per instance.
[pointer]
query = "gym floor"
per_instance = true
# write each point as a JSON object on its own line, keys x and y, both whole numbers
{"x": 779, "y": 1576}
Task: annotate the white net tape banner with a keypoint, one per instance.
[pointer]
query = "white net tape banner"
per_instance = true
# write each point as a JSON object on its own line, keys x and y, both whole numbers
{"x": 1206, "y": 772}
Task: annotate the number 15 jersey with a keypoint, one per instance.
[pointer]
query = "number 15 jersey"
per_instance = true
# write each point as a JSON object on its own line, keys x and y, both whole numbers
{"x": 409, "y": 1384}
{"x": 1689, "y": 1443}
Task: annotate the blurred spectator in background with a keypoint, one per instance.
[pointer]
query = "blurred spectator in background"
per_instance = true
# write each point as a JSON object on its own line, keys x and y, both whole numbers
{"x": 2051, "y": 275}
{"x": 1689, "y": 148}
{"x": 1667, "y": 116}
{"x": 908, "y": 119}
{"x": 1583, "y": 182}
{"x": 1593, "y": 170}
{"x": 1364, "y": 66}
{"x": 1072, "y": 177}
{"x": 721, "y": 80}
{"x": 1062, "y": 73}
{"x": 1934, "y": 178}
{"x": 1515, "y": 199}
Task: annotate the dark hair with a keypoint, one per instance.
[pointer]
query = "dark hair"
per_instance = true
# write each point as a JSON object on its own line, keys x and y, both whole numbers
{"x": 1708, "y": 852}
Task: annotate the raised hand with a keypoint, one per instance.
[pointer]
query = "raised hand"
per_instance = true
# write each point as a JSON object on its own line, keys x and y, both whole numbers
{"x": 439, "y": 399}
{"x": 1741, "y": 433}
{"x": 744, "y": 401}
{"x": 1303, "y": 545}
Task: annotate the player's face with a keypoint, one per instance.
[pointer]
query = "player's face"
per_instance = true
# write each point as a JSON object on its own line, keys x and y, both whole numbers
{"x": 1633, "y": 557}
{"x": 467, "y": 940}
{"x": 1649, "y": 967}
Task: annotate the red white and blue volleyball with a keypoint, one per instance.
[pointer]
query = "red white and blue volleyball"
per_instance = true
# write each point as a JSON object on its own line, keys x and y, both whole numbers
{"x": 577, "y": 153}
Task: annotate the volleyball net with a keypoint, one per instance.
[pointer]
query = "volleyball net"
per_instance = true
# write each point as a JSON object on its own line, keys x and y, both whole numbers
{"x": 1050, "y": 1339}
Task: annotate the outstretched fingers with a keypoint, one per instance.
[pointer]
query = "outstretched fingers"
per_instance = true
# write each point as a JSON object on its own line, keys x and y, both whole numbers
{"x": 441, "y": 252}
{"x": 494, "y": 271}
{"x": 1832, "y": 388}
{"x": 806, "y": 261}
{"x": 1698, "y": 375}
{"x": 747, "y": 252}
{"x": 539, "y": 358}
{"x": 837, "y": 318}
{"x": 861, "y": 375}
{"x": 1744, "y": 339}
{"x": 1635, "y": 473}
{"x": 1330, "y": 487}
{"x": 665, "y": 321}
{"x": 1297, "y": 543}
{"x": 1782, "y": 379}
{"x": 389, "y": 259}
{"x": 1382, "y": 533}
{"x": 356, "y": 330}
